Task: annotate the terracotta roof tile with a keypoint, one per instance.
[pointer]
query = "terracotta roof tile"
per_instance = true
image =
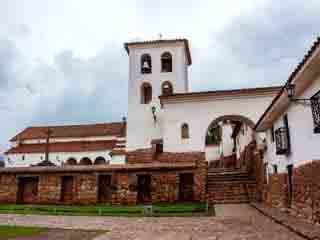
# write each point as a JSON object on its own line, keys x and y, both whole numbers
{"x": 64, "y": 147}
{"x": 73, "y": 131}
{"x": 221, "y": 93}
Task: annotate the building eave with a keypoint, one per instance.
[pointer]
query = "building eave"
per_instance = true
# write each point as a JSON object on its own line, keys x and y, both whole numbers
{"x": 219, "y": 95}
{"x": 301, "y": 77}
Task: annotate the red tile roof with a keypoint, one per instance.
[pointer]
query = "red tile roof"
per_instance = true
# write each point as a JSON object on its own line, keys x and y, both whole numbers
{"x": 87, "y": 146}
{"x": 222, "y": 93}
{"x": 307, "y": 56}
{"x": 73, "y": 131}
{"x": 183, "y": 40}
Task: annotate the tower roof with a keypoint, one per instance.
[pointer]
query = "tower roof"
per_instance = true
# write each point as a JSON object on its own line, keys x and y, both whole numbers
{"x": 162, "y": 41}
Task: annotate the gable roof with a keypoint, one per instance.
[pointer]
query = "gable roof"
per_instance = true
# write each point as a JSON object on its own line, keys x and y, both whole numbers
{"x": 292, "y": 76}
{"x": 81, "y": 146}
{"x": 73, "y": 131}
{"x": 164, "y": 41}
{"x": 221, "y": 93}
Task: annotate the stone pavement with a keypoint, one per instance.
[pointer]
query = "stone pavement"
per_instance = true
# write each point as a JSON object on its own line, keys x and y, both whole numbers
{"x": 233, "y": 222}
{"x": 302, "y": 228}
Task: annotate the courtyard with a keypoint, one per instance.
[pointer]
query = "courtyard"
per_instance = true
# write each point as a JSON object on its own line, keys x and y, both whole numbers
{"x": 232, "y": 222}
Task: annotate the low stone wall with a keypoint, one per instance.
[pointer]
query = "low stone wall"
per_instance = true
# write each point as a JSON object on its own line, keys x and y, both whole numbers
{"x": 306, "y": 191}
{"x": 305, "y": 202}
{"x": 164, "y": 187}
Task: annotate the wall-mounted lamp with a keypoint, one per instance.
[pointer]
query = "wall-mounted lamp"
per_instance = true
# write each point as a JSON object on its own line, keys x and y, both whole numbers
{"x": 153, "y": 109}
{"x": 291, "y": 90}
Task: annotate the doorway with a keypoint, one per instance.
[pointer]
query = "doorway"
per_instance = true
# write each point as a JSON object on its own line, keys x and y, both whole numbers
{"x": 144, "y": 188}
{"x": 27, "y": 189}
{"x": 104, "y": 188}
{"x": 67, "y": 189}
{"x": 186, "y": 187}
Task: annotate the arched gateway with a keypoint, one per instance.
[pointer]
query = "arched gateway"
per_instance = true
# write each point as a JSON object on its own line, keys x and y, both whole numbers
{"x": 227, "y": 139}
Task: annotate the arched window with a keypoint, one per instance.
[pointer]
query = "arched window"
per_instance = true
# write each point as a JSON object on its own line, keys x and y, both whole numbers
{"x": 71, "y": 161}
{"x": 100, "y": 160}
{"x": 85, "y": 161}
{"x": 184, "y": 131}
{"x": 146, "y": 64}
{"x": 166, "y": 62}
{"x": 146, "y": 93}
{"x": 167, "y": 88}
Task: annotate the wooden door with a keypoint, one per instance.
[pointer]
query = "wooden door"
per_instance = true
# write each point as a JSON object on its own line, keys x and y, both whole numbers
{"x": 67, "y": 189}
{"x": 104, "y": 188}
{"x": 186, "y": 187}
{"x": 28, "y": 189}
{"x": 144, "y": 188}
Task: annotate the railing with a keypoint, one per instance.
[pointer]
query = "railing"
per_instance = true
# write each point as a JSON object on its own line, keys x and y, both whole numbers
{"x": 315, "y": 105}
{"x": 282, "y": 141}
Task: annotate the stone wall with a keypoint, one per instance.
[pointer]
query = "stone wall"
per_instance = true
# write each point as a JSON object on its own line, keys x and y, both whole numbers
{"x": 306, "y": 192}
{"x": 305, "y": 202}
{"x": 124, "y": 184}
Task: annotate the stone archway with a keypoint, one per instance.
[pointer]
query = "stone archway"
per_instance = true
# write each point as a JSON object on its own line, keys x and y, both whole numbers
{"x": 235, "y": 134}
{"x": 100, "y": 160}
{"x": 85, "y": 161}
{"x": 71, "y": 161}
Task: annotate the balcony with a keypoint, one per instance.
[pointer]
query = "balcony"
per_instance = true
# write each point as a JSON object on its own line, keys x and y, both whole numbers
{"x": 315, "y": 106}
{"x": 282, "y": 141}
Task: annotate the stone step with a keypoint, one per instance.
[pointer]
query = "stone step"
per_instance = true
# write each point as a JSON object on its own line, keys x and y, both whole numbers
{"x": 230, "y": 181}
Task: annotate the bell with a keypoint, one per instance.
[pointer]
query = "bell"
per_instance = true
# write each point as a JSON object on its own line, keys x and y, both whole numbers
{"x": 146, "y": 65}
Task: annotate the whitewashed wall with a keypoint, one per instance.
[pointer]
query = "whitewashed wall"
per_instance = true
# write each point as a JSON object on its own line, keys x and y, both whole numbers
{"x": 305, "y": 144}
{"x": 244, "y": 139}
{"x": 15, "y": 160}
{"x": 199, "y": 115}
{"x": 141, "y": 128}
{"x": 213, "y": 152}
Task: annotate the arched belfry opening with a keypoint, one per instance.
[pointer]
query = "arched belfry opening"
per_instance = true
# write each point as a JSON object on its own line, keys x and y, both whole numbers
{"x": 146, "y": 64}
{"x": 146, "y": 93}
{"x": 229, "y": 141}
{"x": 166, "y": 62}
{"x": 167, "y": 88}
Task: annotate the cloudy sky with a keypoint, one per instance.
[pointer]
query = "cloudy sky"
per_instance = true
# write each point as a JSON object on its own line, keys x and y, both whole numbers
{"x": 63, "y": 62}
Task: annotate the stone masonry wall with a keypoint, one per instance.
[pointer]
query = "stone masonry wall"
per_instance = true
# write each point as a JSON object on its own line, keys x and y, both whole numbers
{"x": 164, "y": 186}
{"x": 8, "y": 188}
{"x": 306, "y": 192}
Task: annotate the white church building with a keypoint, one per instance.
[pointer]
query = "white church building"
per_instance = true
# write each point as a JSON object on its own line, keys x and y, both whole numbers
{"x": 161, "y": 112}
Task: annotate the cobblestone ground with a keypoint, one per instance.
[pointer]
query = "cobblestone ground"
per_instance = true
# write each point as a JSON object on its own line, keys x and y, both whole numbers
{"x": 233, "y": 222}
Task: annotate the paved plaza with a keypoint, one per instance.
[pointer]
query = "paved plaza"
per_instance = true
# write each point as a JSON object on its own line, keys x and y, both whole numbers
{"x": 233, "y": 222}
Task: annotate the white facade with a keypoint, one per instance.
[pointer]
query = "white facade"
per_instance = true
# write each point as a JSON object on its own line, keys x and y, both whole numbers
{"x": 141, "y": 128}
{"x": 244, "y": 138}
{"x": 304, "y": 142}
{"x": 199, "y": 115}
{"x": 59, "y": 158}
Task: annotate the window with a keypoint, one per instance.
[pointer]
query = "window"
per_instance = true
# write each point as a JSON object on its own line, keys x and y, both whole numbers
{"x": 146, "y": 64}
{"x": 167, "y": 88}
{"x": 146, "y": 93}
{"x": 315, "y": 106}
{"x": 272, "y": 133}
{"x": 166, "y": 62}
{"x": 184, "y": 131}
{"x": 282, "y": 138}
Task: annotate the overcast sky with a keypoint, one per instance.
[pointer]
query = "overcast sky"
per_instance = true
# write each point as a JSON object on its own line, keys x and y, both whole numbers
{"x": 63, "y": 62}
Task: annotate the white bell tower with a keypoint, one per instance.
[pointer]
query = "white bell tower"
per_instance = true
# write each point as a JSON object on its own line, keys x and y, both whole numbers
{"x": 155, "y": 68}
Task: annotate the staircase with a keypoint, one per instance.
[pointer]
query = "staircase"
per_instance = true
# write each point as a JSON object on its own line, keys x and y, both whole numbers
{"x": 229, "y": 186}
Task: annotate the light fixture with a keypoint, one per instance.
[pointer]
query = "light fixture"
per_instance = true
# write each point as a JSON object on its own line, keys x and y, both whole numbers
{"x": 153, "y": 109}
{"x": 291, "y": 91}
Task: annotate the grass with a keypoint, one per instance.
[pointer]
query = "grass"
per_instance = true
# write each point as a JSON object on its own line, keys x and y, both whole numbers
{"x": 7, "y": 232}
{"x": 187, "y": 209}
